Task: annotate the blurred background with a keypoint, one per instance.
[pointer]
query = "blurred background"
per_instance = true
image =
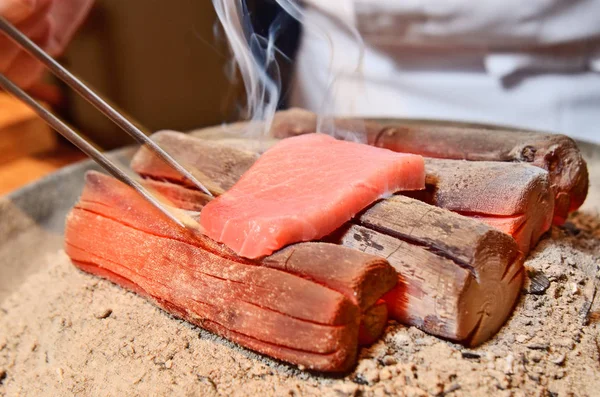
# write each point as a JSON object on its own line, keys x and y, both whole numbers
{"x": 172, "y": 77}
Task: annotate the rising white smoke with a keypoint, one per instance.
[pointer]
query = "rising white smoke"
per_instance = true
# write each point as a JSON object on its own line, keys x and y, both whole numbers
{"x": 262, "y": 91}
{"x": 255, "y": 58}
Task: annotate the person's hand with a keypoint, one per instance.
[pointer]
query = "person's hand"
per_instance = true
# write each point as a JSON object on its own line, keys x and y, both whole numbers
{"x": 49, "y": 23}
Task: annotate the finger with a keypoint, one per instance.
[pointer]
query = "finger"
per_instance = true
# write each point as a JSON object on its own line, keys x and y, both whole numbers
{"x": 67, "y": 16}
{"x": 24, "y": 69}
{"x": 8, "y": 52}
{"x": 16, "y": 11}
{"x": 35, "y": 26}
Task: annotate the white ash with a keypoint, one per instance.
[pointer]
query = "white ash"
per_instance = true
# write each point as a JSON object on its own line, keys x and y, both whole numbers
{"x": 64, "y": 332}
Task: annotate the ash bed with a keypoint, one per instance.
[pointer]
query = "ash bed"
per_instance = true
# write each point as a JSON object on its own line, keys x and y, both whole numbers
{"x": 64, "y": 332}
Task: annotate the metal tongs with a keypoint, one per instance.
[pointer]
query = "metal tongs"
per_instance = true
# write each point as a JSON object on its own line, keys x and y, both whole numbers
{"x": 70, "y": 134}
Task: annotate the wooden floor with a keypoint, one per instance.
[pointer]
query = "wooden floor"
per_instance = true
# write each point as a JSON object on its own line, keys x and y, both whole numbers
{"x": 29, "y": 150}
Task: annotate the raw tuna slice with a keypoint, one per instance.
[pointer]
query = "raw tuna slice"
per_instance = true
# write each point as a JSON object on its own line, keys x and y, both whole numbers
{"x": 304, "y": 188}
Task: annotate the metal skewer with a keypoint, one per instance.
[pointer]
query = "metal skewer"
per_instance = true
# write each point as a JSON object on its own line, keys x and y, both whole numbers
{"x": 95, "y": 100}
{"x": 87, "y": 148}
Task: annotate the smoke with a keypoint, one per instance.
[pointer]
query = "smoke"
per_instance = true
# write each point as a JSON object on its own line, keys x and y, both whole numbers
{"x": 252, "y": 58}
{"x": 255, "y": 57}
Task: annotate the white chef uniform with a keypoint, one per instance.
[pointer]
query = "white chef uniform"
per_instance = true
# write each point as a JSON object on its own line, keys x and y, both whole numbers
{"x": 531, "y": 64}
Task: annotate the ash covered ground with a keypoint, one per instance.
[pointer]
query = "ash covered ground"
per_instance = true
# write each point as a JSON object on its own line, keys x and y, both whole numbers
{"x": 63, "y": 332}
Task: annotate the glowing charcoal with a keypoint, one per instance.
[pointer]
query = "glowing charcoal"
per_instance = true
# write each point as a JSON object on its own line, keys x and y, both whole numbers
{"x": 328, "y": 295}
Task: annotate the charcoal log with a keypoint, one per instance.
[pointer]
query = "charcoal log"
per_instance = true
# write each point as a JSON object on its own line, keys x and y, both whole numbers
{"x": 303, "y": 305}
{"x": 513, "y": 198}
{"x": 458, "y": 278}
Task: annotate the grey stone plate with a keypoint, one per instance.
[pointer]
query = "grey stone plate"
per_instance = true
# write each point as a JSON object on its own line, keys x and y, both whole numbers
{"x": 32, "y": 219}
